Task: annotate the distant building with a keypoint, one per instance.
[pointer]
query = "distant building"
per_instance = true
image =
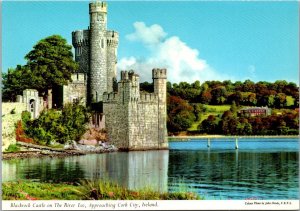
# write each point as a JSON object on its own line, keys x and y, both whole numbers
{"x": 255, "y": 111}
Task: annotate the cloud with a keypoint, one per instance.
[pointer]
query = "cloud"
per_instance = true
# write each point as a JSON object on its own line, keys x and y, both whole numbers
{"x": 149, "y": 35}
{"x": 182, "y": 62}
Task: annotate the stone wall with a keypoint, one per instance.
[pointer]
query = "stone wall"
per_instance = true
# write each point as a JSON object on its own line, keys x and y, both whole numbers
{"x": 134, "y": 119}
{"x": 9, "y": 119}
{"x": 76, "y": 90}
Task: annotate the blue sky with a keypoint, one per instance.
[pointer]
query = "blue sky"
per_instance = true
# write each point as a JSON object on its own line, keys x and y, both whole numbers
{"x": 197, "y": 40}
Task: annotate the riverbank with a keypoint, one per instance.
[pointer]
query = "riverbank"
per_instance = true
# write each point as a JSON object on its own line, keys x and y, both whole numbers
{"x": 188, "y": 137}
{"x": 85, "y": 190}
{"x": 36, "y": 151}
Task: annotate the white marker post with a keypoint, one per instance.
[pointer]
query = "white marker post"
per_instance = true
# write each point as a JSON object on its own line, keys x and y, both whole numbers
{"x": 236, "y": 143}
{"x": 208, "y": 142}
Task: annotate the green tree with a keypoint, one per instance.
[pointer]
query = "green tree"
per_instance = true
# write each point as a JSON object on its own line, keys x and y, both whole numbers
{"x": 233, "y": 108}
{"x": 50, "y": 63}
{"x": 280, "y": 100}
{"x": 14, "y": 82}
{"x": 219, "y": 95}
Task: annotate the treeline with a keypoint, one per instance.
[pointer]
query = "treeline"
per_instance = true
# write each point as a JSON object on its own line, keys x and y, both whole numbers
{"x": 185, "y": 106}
{"x": 229, "y": 123}
{"x": 280, "y": 94}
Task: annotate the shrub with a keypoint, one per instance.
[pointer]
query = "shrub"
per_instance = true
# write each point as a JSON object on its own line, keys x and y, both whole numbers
{"x": 13, "y": 148}
{"x": 25, "y": 117}
{"x": 58, "y": 126}
{"x": 20, "y": 135}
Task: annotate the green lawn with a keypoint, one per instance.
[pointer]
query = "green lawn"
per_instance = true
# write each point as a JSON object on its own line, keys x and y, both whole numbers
{"x": 210, "y": 110}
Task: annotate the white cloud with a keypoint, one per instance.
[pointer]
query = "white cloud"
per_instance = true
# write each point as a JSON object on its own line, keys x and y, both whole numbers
{"x": 182, "y": 62}
{"x": 149, "y": 35}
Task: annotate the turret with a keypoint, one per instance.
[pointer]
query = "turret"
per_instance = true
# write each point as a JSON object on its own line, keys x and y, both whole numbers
{"x": 159, "y": 77}
{"x": 129, "y": 86}
{"x": 80, "y": 41}
{"x": 98, "y": 67}
{"x": 112, "y": 40}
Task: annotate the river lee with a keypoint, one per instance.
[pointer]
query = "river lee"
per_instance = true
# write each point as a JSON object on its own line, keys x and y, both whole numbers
{"x": 259, "y": 169}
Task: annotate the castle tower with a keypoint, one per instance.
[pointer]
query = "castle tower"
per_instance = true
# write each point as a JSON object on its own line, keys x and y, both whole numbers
{"x": 80, "y": 41}
{"x": 97, "y": 78}
{"x": 112, "y": 45}
{"x": 159, "y": 77}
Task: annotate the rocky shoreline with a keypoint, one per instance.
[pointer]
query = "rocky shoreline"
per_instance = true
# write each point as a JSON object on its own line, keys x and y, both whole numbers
{"x": 73, "y": 149}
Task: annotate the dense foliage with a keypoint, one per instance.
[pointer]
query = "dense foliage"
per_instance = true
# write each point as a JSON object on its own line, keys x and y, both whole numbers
{"x": 180, "y": 114}
{"x": 279, "y": 94}
{"x": 58, "y": 126}
{"x": 185, "y": 106}
{"x": 286, "y": 123}
{"x": 50, "y": 63}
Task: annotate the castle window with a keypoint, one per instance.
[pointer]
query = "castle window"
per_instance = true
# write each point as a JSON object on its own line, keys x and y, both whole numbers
{"x": 102, "y": 44}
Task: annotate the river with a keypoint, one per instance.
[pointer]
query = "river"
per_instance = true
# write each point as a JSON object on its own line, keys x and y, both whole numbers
{"x": 259, "y": 169}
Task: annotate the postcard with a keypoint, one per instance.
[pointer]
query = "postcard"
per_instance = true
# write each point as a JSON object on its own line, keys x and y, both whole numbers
{"x": 150, "y": 105}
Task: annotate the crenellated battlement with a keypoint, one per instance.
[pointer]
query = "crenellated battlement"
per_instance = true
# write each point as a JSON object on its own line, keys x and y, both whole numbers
{"x": 112, "y": 38}
{"x": 159, "y": 73}
{"x": 98, "y": 6}
{"x": 80, "y": 38}
{"x": 110, "y": 97}
{"x": 134, "y": 120}
{"x": 148, "y": 97}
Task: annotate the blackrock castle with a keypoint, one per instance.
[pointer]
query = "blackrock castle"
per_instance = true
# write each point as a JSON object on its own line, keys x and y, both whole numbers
{"x": 134, "y": 120}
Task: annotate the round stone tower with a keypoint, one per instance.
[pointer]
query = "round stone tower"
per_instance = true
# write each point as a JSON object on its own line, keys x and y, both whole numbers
{"x": 112, "y": 45}
{"x": 80, "y": 41}
{"x": 97, "y": 78}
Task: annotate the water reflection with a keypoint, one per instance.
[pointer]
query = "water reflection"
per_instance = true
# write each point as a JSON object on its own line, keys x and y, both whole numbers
{"x": 236, "y": 174}
{"x": 262, "y": 170}
{"x": 133, "y": 170}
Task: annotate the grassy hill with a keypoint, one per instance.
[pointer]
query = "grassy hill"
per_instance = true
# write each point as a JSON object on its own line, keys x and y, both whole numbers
{"x": 210, "y": 110}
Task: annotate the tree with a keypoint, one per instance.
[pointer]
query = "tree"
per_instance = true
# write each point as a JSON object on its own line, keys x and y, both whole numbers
{"x": 147, "y": 87}
{"x": 180, "y": 114}
{"x": 280, "y": 100}
{"x": 210, "y": 125}
{"x": 198, "y": 109}
{"x": 206, "y": 97}
{"x": 51, "y": 63}
{"x": 219, "y": 95}
{"x": 233, "y": 108}
{"x": 14, "y": 82}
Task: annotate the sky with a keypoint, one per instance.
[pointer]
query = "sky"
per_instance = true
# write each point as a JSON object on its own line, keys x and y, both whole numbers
{"x": 194, "y": 40}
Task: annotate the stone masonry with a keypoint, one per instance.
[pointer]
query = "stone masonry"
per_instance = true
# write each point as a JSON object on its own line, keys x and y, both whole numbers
{"x": 137, "y": 120}
{"x": 96, "y": 53}
{"x": 134, "y": 120}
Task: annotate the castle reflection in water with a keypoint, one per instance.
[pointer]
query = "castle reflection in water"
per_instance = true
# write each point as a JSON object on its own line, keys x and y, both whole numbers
{"x": 134, "y": 170}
